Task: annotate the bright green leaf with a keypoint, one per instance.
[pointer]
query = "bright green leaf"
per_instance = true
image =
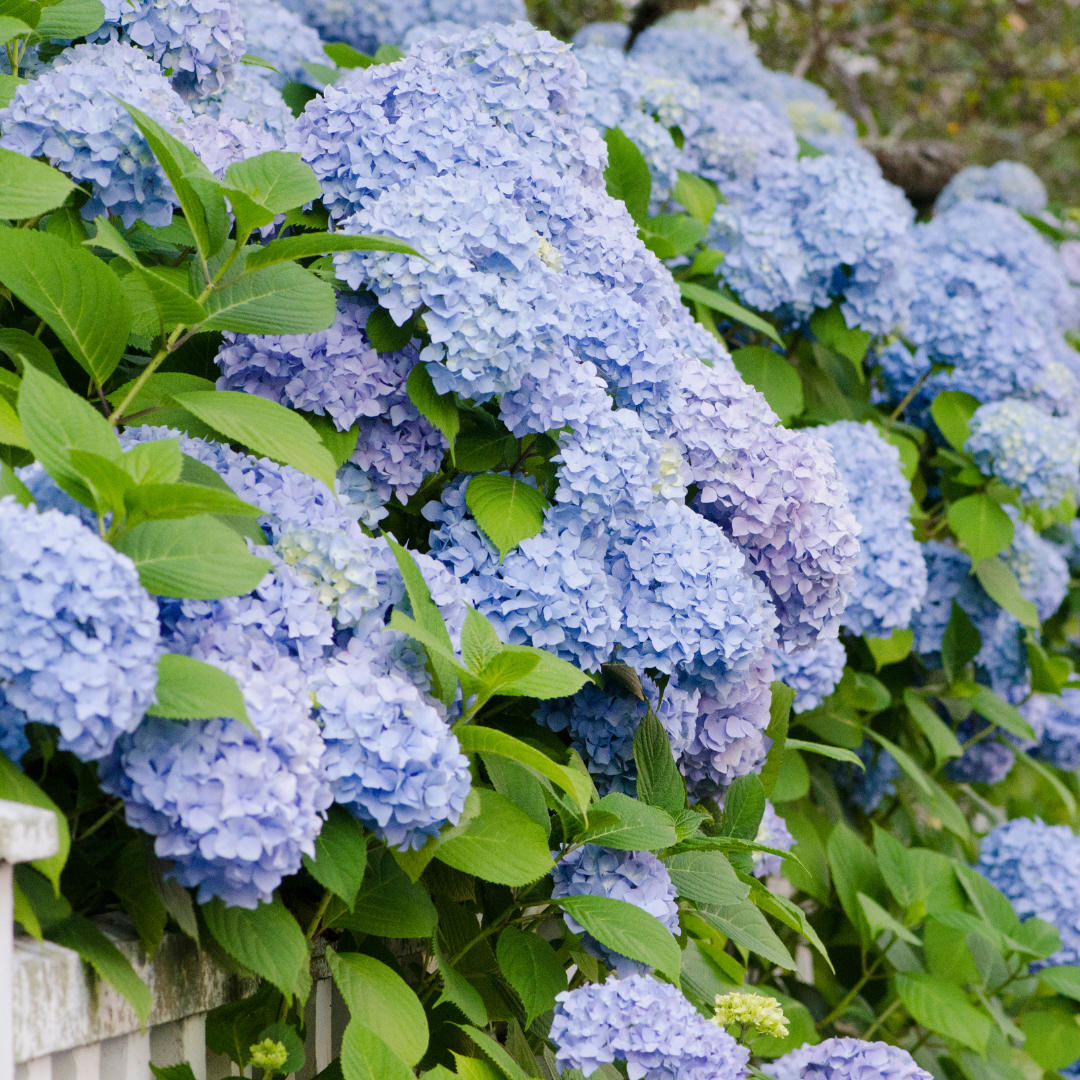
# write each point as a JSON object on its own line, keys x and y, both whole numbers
{"x": 440, "y": 409}
{"x": 28, "y": 187}
{"x": 627, "y": 175}
{"x": 1001, "y": 585}
{"x": 340, "y": 855}
{"x": 943, "y": 1007}
{"x": 189, "y": 689}
{"x": 16, "y": 786}
{"x": 532, "y": 969}
{"x": 698, "y": 195}
{"x": 952, "y": 412}
{"x": 364, "y": 1056}
{"x": 771, "y": 374}
{"x": 637, "y": 826}
{"x": 731, "y": 308}
{"x": 507, "y": 509}
{"x": 322, "y": 243}
{"x": 659, "y": 782}
{"x": 981, "y": 525}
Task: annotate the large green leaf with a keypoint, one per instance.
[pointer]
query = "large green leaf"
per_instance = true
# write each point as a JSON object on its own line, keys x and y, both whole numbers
{"x": 746, "y": 926}
{"x": 364, "y": 1056}
{"x": 267, "y": 940}
{"x": 155, "y": 403}
{"x": 439, "y": 409}
{"x": 381, "y": 1000}
{"x": 943, "y": 1007}
{"x": 389, "y": 904}
{"x": 952, "y": 412}
{"x": 265, "y": 427}
{"x": 23, "y": 348}
{"x": 706, "y": 877}
{"x": 29, "y": 187}
{"x": 76, "y": 295}
{"x": 981, "y": 526}
{"x": 744, "y": 805}
{"x": 960, "y": 643}
{"x": 277, "y": 180}
{"x": 68, "y": 20}
{"x": 16, "y": 786}
{"x": 777, "y": 380}
{"x": 731, "y": 308}
{"x": 659, "y": 782}
{"x": 507, "y": 509}
{"x": 637, "y": 826}
{"x": 340, "y": 855}
{"x": 283, "y": 298}
{"x": 232, "y": 1028}
{"x": 532, "y": 969}
{"x": 626, "y": 930}
{"x": 698, "y": 195}
{"x": 627, "y": 175}
{"x": 501, "y": 844}
{"x": 782, "y": 697}
{"x": 1064, "y": 979}
{"x": 457, "y": 989}
{"x": 309, "y": 244}
{"x": 1002, "y": 587}
{"x": 854, "y": 871}
{"x": 189, "y": 689}
{"x": 940, "y": 736}
{"x": 998, "y": 711}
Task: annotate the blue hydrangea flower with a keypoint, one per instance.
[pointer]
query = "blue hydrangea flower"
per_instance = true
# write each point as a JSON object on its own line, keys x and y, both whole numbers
{"x": 337, "y": 373}
{"x": 812, "y": 673}
{"x": 251, "y": 97}
{"x": 846, "y": 1059}
{"x": 70, "y": 116}
{"x": 1017, "y": 442}
{"x": 223, "y": 140}
{"x": 367, "y": 496}
{"x": 1056, "y": 720}
{"x": 1010, "y": 183}
{"x": 234, "y": 809}
{"x": 867, "y": 787}
{"x": 773, "y": 832}
{"x": 606, "y": 35}
{"x": 648, "y": 1024}
{"x": 79, "y": 635}
{"x": 280, "y": 36}
{"x": 1040, "y": 566}
{"x": 890, "y": 574}
{"x": 601, "y": 725}
{"x": 199, "y": 41}
{"x": 391, "y": 758}
{"x": 637, "y": 877}
{"x": 1037, "y": 866}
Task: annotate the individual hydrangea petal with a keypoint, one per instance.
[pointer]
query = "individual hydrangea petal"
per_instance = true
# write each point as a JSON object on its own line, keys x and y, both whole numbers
{"x": 648, "y": 1024}
{"x": 846, "y": 1059}
{"x": 773, "y": 832}
{"x": 812, "y": 673}
{"x": 1017, "y": 442}
{"x": 890, "y": 574}
{"x": 1010, "y": 183}
{"x": 1037, "y": 866}
{"x": 69, "y": 114}
{"x": 636, "y": 877}
{"x": 79, "y": 635}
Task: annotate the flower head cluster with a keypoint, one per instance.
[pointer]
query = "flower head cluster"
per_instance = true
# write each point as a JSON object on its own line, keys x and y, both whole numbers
{"x": 648, "y": 1024}
{"x": 847, "y": 1059}
{"x": 251, "y": 98}
{"x": 764, "y": 1014}
{"x": 79, "y": 636}
{"x": 1020, "y": 444}
{"x": 1010, "y": 183}
{"x": 199, "y": 41}
{"x": 281, "y": 37}
{"x": 222, "y": 140}
{"x": 637, "y": 877}
{"x": 1056, "y": 720}
{"x": 268, "y": 1055}
{"x": 812, "y": 673}
{"x": 70, "y": 115}
{"x": 773, "y": 832}
{"x": 890, "y": 575}
{"x": 1037, "y": 866}
{"x": 1040, "y": 566}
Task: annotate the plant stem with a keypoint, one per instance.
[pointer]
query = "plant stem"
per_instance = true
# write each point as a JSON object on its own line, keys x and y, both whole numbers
{"x": 112, "y": 811}
{"x": 316, "y": 919}
{"x": 850, "y": 996}
{"x": 880, "y": 1020}
{"x": 907, "y": 399}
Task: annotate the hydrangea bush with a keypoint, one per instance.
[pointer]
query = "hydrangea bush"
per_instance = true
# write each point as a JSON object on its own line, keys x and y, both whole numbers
{"x": 543, "y": 529}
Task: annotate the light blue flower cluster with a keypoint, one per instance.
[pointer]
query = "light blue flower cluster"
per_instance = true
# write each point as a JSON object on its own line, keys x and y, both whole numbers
{"x": 281, "y": 37}
{"x": 1056, "y": 720}
{"x": 602, "y": 723}
{"x": 812, "y": 673}
{"x": 69, "y": 114}
{"x": 846, "y": 1059}
{"x": 1017, "y": 442}
{"x": 78, "y": 633}
{"x": 252, "y": 98}
{"x": 234, "y": 809}
{"x": 637, "y": 877}
{"x": 1037, "y": 866}
{"x": 337, "y": 373}
{"x": 646, "y": 1023}
{"x": 773, "y": 832}
{"x": 890, "y": 574}
{"x": 222, "y": 140}
{"x": 199, "y": 41}
{"x": 1010, "y": 183}
{"x": 1040, "y": 566}
{"x": 866, "y": 787}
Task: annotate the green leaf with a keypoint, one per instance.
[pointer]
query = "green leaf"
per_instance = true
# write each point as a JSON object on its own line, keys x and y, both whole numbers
{"x": 10, "y": 484}
{"x": 638, "y": 826}
{"x": 940, "y": 736}
{"x": 981, "y": 525}
{"x": 265, "y": 427}
{"x": 10, "y": 29}
{"x": 744, "y": 805}
{"x": 11, "y": 432}
{"x": 506, "y": 509}
{"x": 659, "y": 782}
{"x": 68, "y": 20}
{"x": 892, "y": 649}
{"x": 854, "y": 870}
{"x": 76, "y": 295}
{"x": 341, "y": 444}
{"x": 668, "y": 235}
{"x": 837, "y": 753}
{"x": 771, "y": 374}
{"x": 1037, "y": 937}
{"x": 172, "y": 1072}
{"x": 267, "y": 940}
{"x": 440, "y": 409}
{"x": 627, "y": 175}
{"x": 24, "y": 348}
{"x": 387, "y": 337}
{"x": 495, "y": 1053}
{"x": 880, "y": 921}
{"x": 389, "y": 904}
{"x": 788, "y": 912}
{"x": 323, "y": 243}
{"x": 475, "y": 740}
{"x": 830, "y": 327}
{"x": 280, "y": 299}
{"x": 1062, "y": 792}
{"x": 9, "y": 85}
{"x": 501, "y": 844}
{"x": 998, "y": 711}
{"x": 516, "y": 783}
{"x": 479, "y": 642}
{"x": 792, "y": 779}
{"x": 746, "y": 926}
{"x": 171, "y": 502}
{"x": 706, "y": 877}
{"x": 157, "y": 394}
{"x": 1052, "y": 1036}
{"x": 345, "y": 56}
{"x": 698, "y": 195}
{"x": 726, "y": 306}
{"x": 942, "y": 1007}
{"x": 276, "y": 180}
{"x": 16, "y": 786}
{"x": 108, "y": 483}
{"x": 1062, "y": 979}
{"x": 188, "y": 689}
{"x": 158, "y": 462}
{"x": 532, "y": 969}
{"x": 364, "y": 1056}
{"x": 380, "y": 999}
{"x": 457, "y": 989}
{"x": 233, "y": 1027}
{"x": 28, "y": 187}
{"x": 1002, "y": 587}
{"x": 551, "y": 678}
{"x": 388, "y": 54}
{"x": 779, "y": 715}
{"x": 79, "y": 933}
{"x": 627, "y": 930}
{"x": 952, "y": 412}
{"x": 340, "y": 855}
{"x": 132, "y": 880}
{"x": 196, "y": 558}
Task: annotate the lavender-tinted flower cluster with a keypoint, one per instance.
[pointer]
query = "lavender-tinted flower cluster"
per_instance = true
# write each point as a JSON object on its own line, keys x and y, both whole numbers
{"x": 846, "y": 1059}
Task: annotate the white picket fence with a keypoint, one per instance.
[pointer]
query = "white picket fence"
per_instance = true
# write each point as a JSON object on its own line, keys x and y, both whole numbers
{"x": 58, "y": 1022}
